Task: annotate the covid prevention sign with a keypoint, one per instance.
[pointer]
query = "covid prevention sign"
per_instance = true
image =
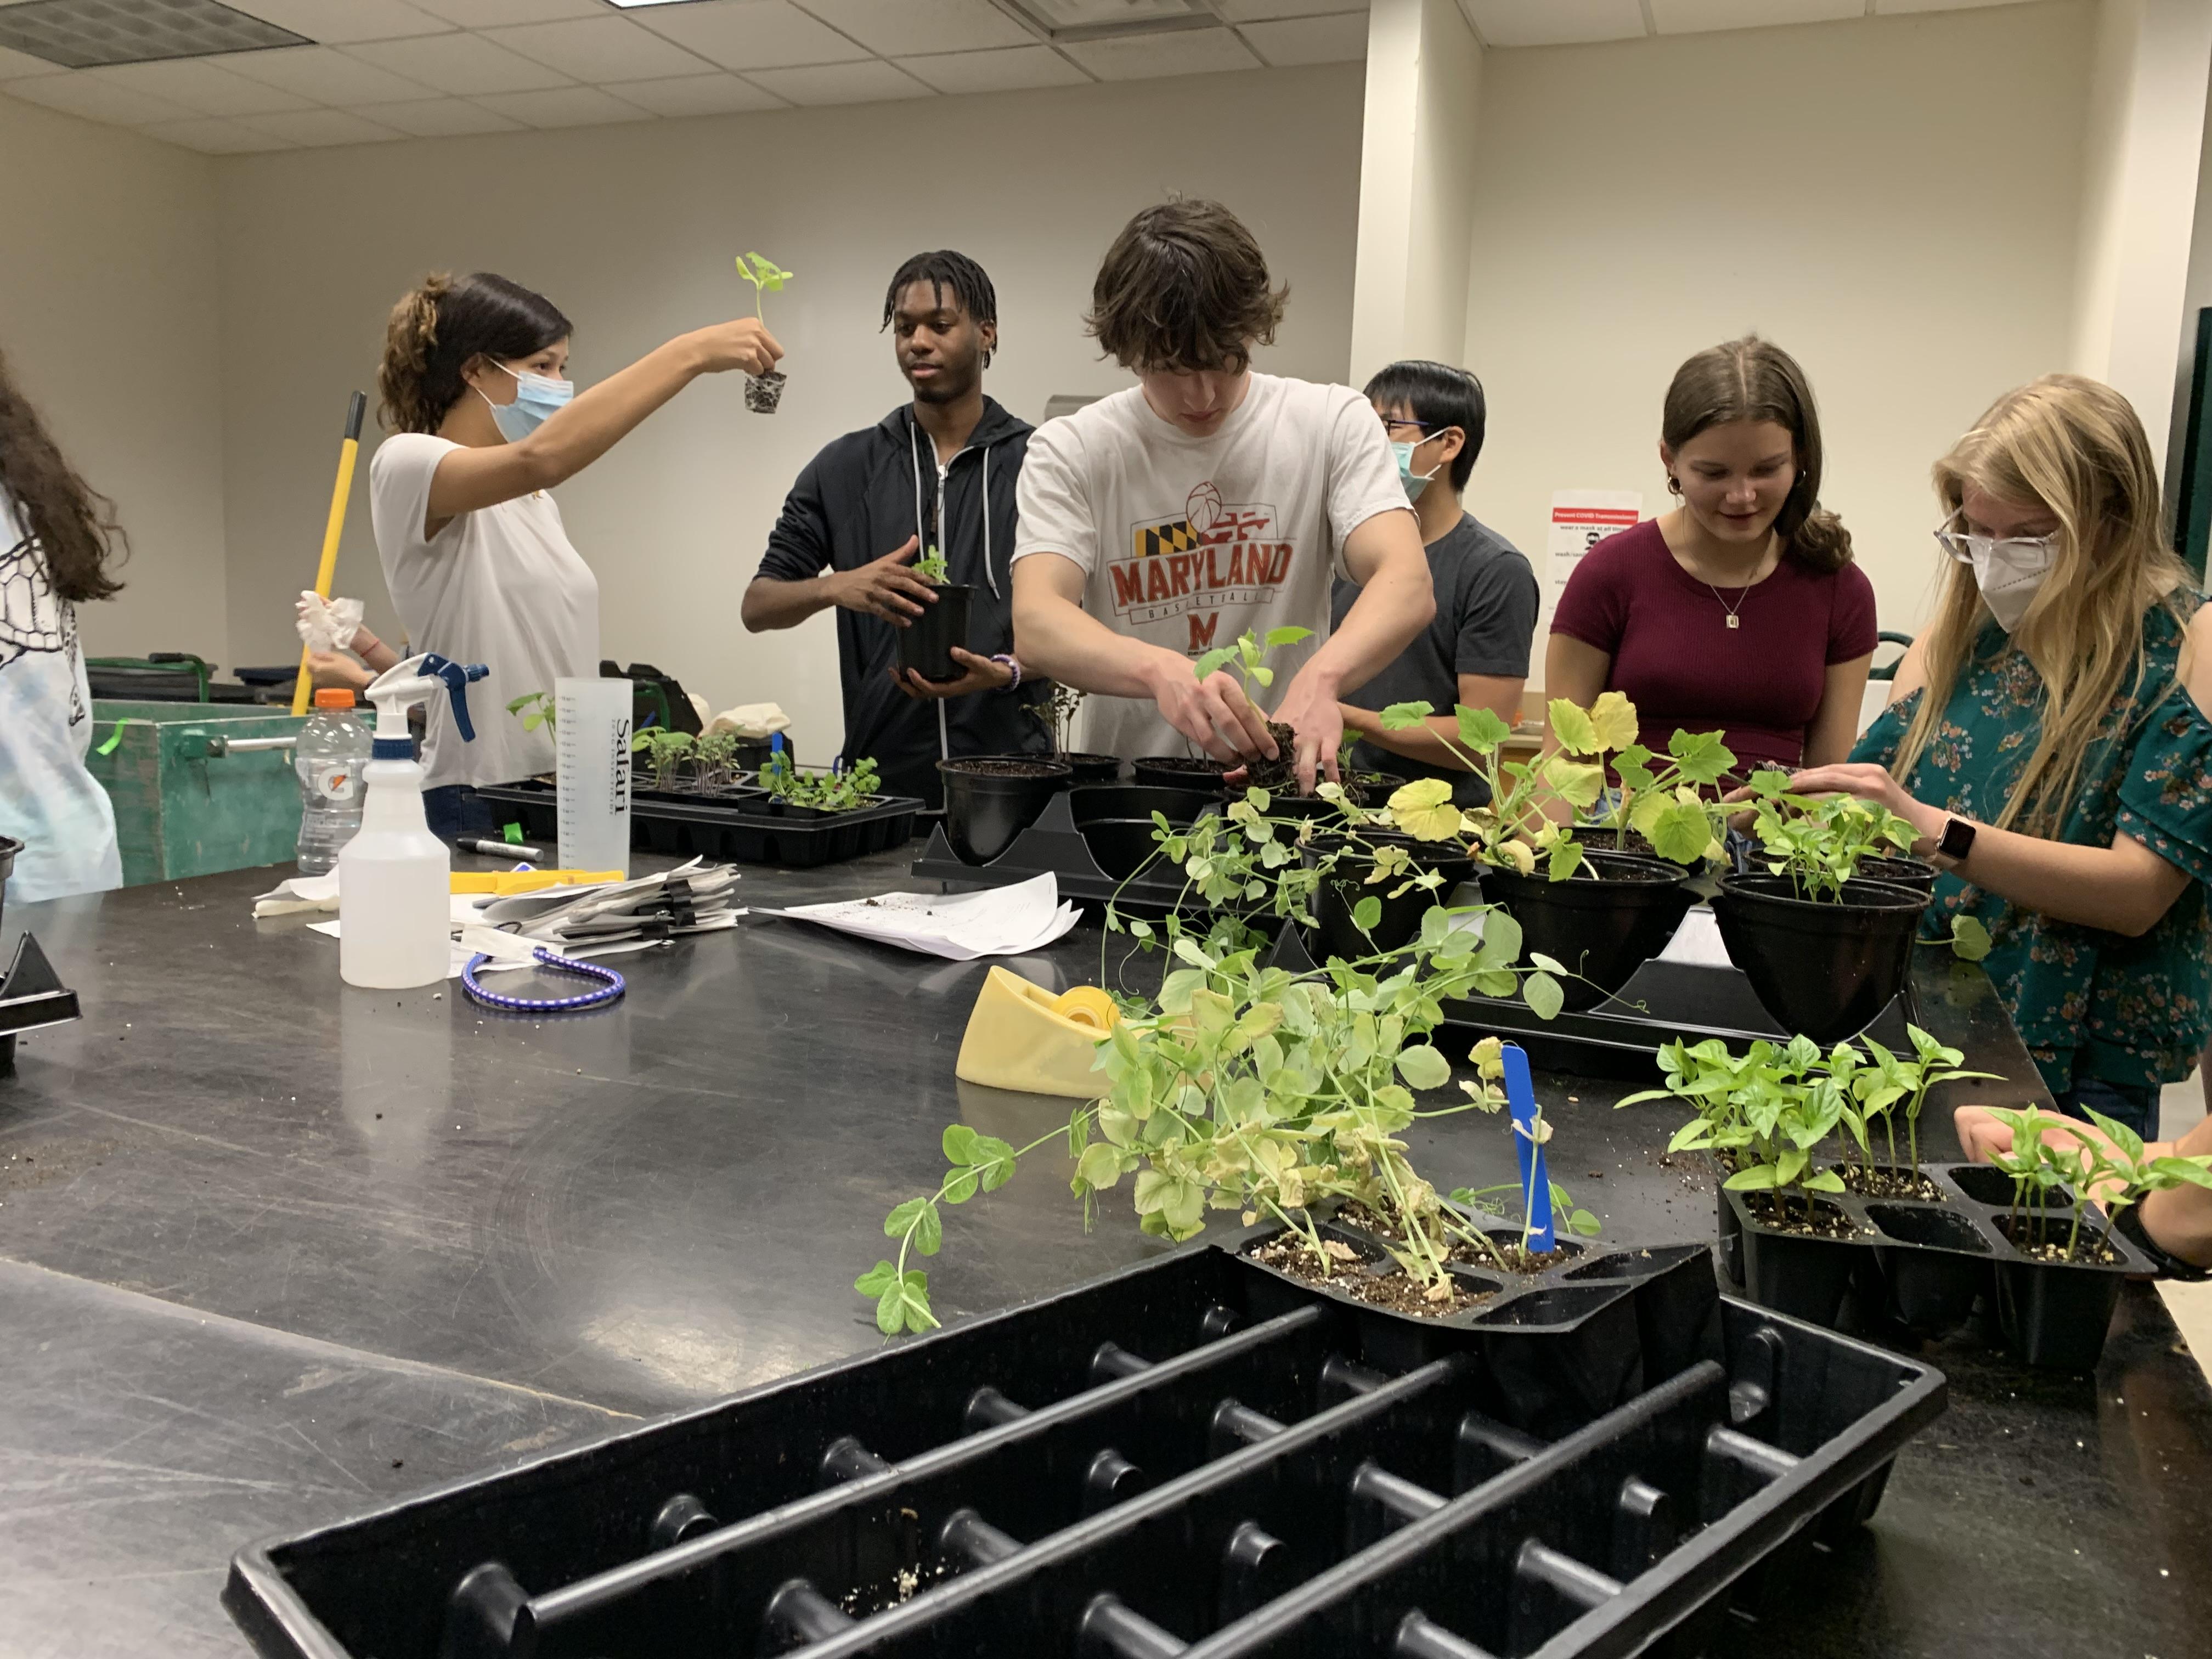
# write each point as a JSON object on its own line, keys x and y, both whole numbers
{"x": 1580, "y": 518}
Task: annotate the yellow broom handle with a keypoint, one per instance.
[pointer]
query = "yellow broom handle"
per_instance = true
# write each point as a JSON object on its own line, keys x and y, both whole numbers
{"x": 326, "y": 572}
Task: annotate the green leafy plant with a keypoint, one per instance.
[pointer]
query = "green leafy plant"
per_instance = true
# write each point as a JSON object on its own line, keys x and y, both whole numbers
{"x": 1056, "y": 713}
{"x": 1818, "y": 842}
{"x": 931, "y": 568}
{"x": 664, "y": 750}
{"x": 716, "y": 754}
{"x": 1248, "y": 655}
{"x": 535, "y": 709}
{"x": 766, "y": 277}
{"x": 829, "y": 792}
{"x": 2114, "y": 1172}
{"x": 1763, "y": 1112}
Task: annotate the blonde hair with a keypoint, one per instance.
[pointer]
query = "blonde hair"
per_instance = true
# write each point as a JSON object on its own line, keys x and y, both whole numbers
{"x": 2075, "y": 448}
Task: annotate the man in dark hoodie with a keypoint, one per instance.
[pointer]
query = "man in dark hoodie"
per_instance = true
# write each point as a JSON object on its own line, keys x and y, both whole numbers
{"x": 939, "y": 473}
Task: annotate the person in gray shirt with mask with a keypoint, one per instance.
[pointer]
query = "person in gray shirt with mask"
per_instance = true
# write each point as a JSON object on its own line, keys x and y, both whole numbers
{"x": 1476, "y": 650}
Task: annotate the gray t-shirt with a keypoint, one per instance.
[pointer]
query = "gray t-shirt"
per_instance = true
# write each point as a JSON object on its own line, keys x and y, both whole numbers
{"x": 1486, "y": 622}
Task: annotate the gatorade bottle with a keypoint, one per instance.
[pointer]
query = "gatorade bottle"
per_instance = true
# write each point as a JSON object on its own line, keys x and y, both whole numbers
{"x": 333, "y": 747}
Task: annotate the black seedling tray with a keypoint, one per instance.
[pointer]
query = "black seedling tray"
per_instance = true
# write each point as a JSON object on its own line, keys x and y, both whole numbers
{"x": 1187, "y": 1456}
{"x": 745, "y": 830}
{"x": 1923, "y": 1265}
{"x": 1054, "y": 844}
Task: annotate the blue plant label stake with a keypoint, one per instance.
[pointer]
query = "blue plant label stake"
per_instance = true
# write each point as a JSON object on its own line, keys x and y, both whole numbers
{"x": 1535, "y": 1177}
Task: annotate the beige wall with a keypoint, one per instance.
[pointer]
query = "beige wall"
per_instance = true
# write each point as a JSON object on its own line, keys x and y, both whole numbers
{"x": 631, "y": 230}
{"x": 108, "y": 315}
{"x": 1893, "y": 199}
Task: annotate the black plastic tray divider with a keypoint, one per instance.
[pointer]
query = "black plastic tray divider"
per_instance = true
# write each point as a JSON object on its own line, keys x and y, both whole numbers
{"x": 1054, "y": 843}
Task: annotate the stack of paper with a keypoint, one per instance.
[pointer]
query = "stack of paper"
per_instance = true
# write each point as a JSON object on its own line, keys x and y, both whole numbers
{"x": 999, "y": 922}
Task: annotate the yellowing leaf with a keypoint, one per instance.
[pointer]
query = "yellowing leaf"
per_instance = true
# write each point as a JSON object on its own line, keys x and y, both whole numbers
{"x": 1423, "y": 809}
{"x": 1572, "y": 727}
{"x": 1613, "y": 720}
{"x": 1578, "y": 785}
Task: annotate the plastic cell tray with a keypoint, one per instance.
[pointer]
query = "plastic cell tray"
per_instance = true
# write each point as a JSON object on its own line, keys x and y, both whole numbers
{"x": 1923, "y": 1265}
{"x": 740, "y": 828}
{"x": 1190, "y": 1456}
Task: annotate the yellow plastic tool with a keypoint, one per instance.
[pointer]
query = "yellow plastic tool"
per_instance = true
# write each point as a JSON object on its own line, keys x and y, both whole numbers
{"x": 327, "y": 571}
{"x": 505, "y": 883}
{"x": 1022, "y": 1036}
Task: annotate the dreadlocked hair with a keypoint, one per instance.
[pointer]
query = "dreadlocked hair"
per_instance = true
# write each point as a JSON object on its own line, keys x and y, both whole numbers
{"x": 442, "y": 327}
{"x": 944, "y": 269}
{"x": 72, "y": 523}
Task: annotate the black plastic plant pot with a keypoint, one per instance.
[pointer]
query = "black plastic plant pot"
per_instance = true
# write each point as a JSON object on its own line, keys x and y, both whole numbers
{"x": 1932, "y": 1287}
{"x": 1121, "y": 845}
{"x": 1602, "y": 925}
{"x": 1799, "y": 1274}
{"x": 1093, "y": 769}
{"x": 925, "y": 644}
{"x": 2055, "y": 1314}
{"x": 991, "y": 799}
{"x": 1823, "y": 969}
{"x": 1916, "y": 873}
{"x": 1335, "y": 932}
{"x": 764, "y": 391}
{"x": 1201, "y": 774}
{"x": 1089, "y": 803}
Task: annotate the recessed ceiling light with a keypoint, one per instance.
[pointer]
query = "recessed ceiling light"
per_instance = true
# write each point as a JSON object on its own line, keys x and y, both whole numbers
{"x": 1099, "y": 20}
{"x": 89, "y": 33}
{"x": 631, "y": 5}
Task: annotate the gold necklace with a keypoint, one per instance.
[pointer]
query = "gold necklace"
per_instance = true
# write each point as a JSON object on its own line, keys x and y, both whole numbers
{"x": 1725, "y": 606}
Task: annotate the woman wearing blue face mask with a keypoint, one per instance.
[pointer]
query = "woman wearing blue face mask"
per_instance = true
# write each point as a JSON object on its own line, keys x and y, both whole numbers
{"x": 480, "y": 568}
{"x": 2045, "y": 737}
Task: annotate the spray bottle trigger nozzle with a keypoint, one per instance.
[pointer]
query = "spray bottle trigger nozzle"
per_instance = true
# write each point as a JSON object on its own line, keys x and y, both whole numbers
{"x": 456, "y": 678}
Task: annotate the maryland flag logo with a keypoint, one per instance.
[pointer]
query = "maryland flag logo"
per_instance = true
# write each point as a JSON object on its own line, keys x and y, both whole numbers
{"x": 1175, "y": 536}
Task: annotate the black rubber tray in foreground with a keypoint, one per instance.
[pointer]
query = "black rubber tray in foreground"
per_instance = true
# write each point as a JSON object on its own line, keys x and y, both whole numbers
{"x": 740, "y": 830}
{"x": 1187, "y": 1456}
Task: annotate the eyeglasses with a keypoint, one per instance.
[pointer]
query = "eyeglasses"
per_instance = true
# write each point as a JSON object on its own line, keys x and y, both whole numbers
{"x": 1962, "y": 544}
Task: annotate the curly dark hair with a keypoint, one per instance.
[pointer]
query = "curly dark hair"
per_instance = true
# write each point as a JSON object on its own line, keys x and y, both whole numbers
{"x": 73, "y": 524}
{"x": 445, "y": 324}
{"x": 1184, "y": 287}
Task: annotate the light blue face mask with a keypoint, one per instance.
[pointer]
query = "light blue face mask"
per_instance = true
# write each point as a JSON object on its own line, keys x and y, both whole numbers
{"x": 1414, "y": 482}
{"x": 536, "y": 397}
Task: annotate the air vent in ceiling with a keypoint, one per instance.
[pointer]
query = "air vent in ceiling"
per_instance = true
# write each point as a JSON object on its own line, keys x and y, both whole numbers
{"x": 1102, "y": 19}
{"x": 89, "y": 33}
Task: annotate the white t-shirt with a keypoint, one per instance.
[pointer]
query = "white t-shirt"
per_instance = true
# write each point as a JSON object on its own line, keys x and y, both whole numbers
{"x": 501, "y": 586}
{"x": 1188, "y": 542}
{"x": 48, "y": 801}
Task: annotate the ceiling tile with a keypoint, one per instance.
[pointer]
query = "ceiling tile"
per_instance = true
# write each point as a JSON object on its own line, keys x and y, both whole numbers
{"x": 1006, "y": 71}
{"x": 1891, "y": 8}
{"x": 344, "y": 20}
{"x": 927, "y": 27}
{"x": 213, "y": 137}
{"x": 324, "y": 74}
{"x": 1142, "y": 57}
{"x": 201, "y": 87}
{"x": 460, "y": 63}
{"x": 841, "y": 83}
{"x": 322, "y": 126}
{"x": 699, "y": 94}
{"x": 1337, "y": 39}
{"x": 1693, "y": 17}
{"x": 15, "y": 65}
{"x": 440, "y": 117}
{"x": 81, "y": 93}
{"x": 501, "y": 14}
{"x": 563, "y": 106}
{"x": 599, "y": 49}
{"x": 1553, "y": 22}
{"x": 751, "y": 35}
{"x": 1254, "y": 11}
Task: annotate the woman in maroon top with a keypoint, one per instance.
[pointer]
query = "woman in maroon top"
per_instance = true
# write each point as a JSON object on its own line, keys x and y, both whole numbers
{"x": 1739, "y": 610}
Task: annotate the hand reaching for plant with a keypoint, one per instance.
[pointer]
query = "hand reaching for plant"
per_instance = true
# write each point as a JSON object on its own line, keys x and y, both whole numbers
{"x": 1309, "y": 709}
{"x": 982, "y": 674}
{"x": 744, "y": 343}
{"x": 888, "y": 588}
{"x": 1213, "y": 712}
{"x": 1872, "y": 783}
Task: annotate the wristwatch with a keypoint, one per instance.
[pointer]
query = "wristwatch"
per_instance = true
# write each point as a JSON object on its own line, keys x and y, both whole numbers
{"x": 1953, "y": 846}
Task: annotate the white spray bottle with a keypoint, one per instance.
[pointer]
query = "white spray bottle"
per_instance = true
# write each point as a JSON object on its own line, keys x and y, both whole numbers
{"x": 394, "y": 916}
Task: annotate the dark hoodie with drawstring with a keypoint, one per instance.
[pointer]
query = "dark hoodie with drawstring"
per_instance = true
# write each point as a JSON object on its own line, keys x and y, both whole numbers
{"x": 860, "y": 499}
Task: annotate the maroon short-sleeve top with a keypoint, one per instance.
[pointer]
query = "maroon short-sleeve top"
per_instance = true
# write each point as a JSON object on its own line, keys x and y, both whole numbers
{"x": 1681, "y": 664}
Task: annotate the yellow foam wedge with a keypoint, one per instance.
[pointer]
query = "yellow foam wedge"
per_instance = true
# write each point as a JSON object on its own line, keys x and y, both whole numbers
{"x": 1022, "y": 1036}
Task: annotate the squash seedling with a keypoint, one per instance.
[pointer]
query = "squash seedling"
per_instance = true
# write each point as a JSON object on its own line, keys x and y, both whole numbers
{"x": 535, "y": 709}
{"x": 762, "y": 391}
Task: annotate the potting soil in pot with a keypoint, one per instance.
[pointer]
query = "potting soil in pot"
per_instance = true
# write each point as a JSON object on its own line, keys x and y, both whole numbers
{"x": 990, "y": 799}
{"x": 764, "y": 391}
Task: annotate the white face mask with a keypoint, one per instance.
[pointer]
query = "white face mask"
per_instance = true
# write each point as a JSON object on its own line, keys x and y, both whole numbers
{"x": 2008, "y": 569}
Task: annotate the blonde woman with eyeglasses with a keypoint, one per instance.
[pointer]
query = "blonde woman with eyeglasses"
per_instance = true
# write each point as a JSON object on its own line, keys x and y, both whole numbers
{"x": 2045, "y": 736}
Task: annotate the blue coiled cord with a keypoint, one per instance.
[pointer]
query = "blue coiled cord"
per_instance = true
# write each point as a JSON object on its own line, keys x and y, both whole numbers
{"x": 611, "y": 987}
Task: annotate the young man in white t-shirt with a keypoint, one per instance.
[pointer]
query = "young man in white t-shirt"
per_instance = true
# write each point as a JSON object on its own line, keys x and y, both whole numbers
{"x": 1205, "y": 501}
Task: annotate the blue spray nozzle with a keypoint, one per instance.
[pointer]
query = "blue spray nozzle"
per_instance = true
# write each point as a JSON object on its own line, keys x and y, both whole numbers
{"x": 1535, "y": 1177}
{"x": 456, "y": 678}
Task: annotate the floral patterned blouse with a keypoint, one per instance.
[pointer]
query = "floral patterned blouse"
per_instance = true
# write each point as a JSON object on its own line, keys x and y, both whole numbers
{"x": 2129, "y": 1010}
